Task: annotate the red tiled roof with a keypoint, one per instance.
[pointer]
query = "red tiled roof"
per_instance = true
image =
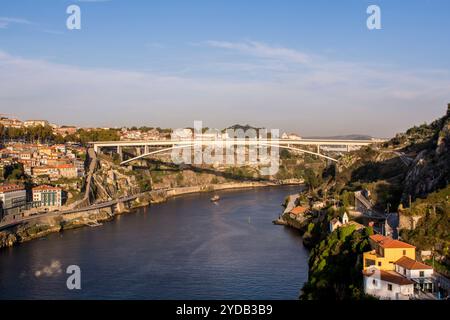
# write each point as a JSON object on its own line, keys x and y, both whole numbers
{"x": 377, "y": 237}
{"x": 298, "y": 210}
{"x": 411, "y": 264}
{"x": 45, "y": 187}
{"x": 10, "y": 188}
{"x": 386, "y": 242}
{"x": 388, "y": 276}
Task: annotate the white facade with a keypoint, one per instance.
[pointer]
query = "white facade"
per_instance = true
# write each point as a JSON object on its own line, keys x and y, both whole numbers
{"x": 415, "y": 273}
{"x": 344, "y": 218}
{"x": 386, "y": 290}
{"x": 291, "y": 136}
{"x": 13, "y": 198}
{"x": 47, "y": 197}
{"x": 34, "y": 123}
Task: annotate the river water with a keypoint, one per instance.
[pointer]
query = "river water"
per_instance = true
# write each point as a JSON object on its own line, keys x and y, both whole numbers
{"x": 186, "y": 248}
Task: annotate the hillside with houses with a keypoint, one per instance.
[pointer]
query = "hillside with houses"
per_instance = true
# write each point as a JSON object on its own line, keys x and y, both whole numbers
{"x": 378, "y": 224}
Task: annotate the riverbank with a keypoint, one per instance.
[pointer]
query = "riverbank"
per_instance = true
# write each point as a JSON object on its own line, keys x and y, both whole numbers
{"x": 43, "y": 226}
{"x": 186, "y": 248}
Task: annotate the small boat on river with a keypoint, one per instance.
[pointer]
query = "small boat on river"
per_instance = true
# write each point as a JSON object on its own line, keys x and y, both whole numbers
{"x": 215, "y": 198}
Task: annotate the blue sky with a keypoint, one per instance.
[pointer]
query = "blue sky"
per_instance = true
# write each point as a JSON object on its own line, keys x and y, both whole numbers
{"x": 310, "y": 67}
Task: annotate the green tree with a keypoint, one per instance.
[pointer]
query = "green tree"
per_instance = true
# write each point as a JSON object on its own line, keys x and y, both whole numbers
{"x": 312, "y": 180}
{"x": 14, "y": 172}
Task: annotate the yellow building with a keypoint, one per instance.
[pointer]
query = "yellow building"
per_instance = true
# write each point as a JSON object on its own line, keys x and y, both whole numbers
{"x": 386, "y": 251}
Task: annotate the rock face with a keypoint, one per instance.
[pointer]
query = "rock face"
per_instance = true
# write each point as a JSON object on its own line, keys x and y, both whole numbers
{"x": 7, "y": 239}
{"x": 408, "y": 222}
{"x": 431, "y": 167}
{"x": 412, "y": 164}
{"x": 111, "y": 181}
{"x": 42, "y": 227}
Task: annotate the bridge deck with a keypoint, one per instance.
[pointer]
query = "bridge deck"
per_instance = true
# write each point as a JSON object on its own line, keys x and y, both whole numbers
{"x": 202, "y": 141}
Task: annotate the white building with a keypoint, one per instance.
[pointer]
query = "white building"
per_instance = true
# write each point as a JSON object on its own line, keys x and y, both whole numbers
{"x": 47, "y": 196}
{"x": 291, "y": 136}
{"x": 387, "y": 285}
{"x": 12, "y": 198}
{"x": 336, "y": 222}
{"x": 35, "y": 123}
{"x": 11, "y": 123}
{"x": 182, "y": 134}
{"x": 420, "y": 273}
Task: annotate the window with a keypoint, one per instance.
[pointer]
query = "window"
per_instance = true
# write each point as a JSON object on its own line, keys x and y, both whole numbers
{"x": 370, "y": 262}
{"x": 389, "y": 287}
{"x": 404, "y": 252}
{"x": 422, "y": 274}
{"x": 404, "y": 271}
{"x": 374, "y": 282}
{"x": 379, "y": 263}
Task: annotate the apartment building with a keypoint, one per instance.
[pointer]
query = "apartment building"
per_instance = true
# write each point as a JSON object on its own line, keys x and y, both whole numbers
{"x": 12, "y": 198}
{"x": 47, "y": 196}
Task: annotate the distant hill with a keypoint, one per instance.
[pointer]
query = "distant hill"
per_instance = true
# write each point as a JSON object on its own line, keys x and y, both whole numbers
{"x": 243, "y": 127}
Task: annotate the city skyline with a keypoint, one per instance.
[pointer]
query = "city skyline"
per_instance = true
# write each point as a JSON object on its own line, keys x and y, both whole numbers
{"x": 130, "y": 65}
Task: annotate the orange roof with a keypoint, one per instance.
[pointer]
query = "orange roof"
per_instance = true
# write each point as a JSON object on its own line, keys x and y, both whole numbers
{"x": 388, "y": 276}
{"x": 377, "y": 237}
{"x": 10, "y": 188}
{"x": 65, "y": 166}
{"x": 411, "y": 264}
{"x": 386, "y": 242}
{"x": 45, "y": 187}
{"x": 298, "y": 210}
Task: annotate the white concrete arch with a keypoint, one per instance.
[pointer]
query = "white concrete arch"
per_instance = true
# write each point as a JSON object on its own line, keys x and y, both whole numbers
{"x": 300, "y": 150}
{"x": 261, "y": 144}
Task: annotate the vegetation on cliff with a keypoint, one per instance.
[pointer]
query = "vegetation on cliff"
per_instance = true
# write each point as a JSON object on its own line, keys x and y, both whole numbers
{"x": 410, "y": 172}
{"x": 433, "y": 229}
{"x": 335, "y": 266}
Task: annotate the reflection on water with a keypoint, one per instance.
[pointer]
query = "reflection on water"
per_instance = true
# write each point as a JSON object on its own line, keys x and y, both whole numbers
{"x": 187, "y": 248}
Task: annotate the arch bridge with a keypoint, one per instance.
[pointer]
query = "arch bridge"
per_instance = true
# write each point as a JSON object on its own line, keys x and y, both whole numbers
{"x": 143, "y": 147}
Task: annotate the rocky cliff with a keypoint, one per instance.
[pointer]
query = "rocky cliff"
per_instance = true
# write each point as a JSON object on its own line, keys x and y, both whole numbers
{"x": 43, "y": 226}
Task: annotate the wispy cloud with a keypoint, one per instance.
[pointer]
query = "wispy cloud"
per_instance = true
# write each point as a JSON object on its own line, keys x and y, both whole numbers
{"x": 5, "y": 22}
{"x": 262, "y": 50}
{"x": 325, "y": 97}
